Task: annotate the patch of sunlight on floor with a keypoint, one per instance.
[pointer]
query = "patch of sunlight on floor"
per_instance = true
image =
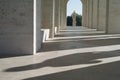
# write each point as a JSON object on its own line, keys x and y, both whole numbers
{"x": 84, "y": 50}
{"x": 72, "y": 63}
{"x": 52, "y": 70}
{"x": 78, "y": 38}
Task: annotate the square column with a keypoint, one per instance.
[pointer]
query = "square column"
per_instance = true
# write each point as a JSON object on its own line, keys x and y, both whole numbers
{"x": 84, "y": 13}
{"x": 113, "y": 16}
{"x": 87, "y": 13}
{"x": 63, "y": 10}
{"x": 57, "y": 14}
{"x": 90, "y": 13}
{"x": 102, "y": 15}
{"x": 48, "y": 16}
{"x": 19, "y": 27}
{"x": 95, "y": 14}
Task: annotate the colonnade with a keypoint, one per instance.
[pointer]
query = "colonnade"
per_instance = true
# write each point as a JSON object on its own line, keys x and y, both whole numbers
{"x": 103, "y": 15}
{"x": 21, "y": 21}
{"x": 54, "y": 15}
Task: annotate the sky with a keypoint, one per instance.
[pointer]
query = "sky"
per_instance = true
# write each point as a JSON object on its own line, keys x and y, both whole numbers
{"x": 74, "y": 5}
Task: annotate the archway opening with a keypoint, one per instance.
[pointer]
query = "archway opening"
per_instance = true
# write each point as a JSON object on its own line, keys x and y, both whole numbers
{"x": 74, "y": 13}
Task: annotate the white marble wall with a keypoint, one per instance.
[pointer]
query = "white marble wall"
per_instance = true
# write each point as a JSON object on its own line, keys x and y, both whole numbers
{"x": 16, "y": 27}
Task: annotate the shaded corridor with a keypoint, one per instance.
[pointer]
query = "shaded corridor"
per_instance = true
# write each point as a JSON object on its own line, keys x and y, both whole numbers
{"x": 74, "y": 54}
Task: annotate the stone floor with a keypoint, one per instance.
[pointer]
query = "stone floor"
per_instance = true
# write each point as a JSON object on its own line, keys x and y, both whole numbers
{"x": 74, "y": 54}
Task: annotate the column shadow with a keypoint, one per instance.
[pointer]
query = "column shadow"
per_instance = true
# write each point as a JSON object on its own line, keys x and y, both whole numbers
{"x": 12, "y": 55}
{"x": 69, "y": 60}
{"x": 108, "y": 71}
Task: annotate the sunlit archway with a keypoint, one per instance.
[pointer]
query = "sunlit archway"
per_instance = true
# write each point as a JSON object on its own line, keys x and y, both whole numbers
{"x": 74, "y": 7}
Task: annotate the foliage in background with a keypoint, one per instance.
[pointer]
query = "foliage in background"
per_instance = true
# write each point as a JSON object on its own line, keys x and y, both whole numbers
{"x": 78, "y": 20}
{"x": 69, "y": 20}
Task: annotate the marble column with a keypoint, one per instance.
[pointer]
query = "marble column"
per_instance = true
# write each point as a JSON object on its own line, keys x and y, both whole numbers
{"x": 37, "y": 26}
{"x": 84, "y": 13}
{"x": 65, "y": 14}
{"x": 63, "y": 10}
{"x": 102, "y": 15}
{"x": 87, "y": 13}
{"x": 95, "y": 14}
{"x": 113, "y": 16}
{"x": 57, "y": 14}
{"x": 61, "y": 14}
{"x": 18, "y": 26}
{"x": 90, "y": 13}
{"x": 48, "y": 16}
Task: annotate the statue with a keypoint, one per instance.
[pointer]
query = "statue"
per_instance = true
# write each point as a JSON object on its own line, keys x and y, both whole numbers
{"x": 74, "y": 19}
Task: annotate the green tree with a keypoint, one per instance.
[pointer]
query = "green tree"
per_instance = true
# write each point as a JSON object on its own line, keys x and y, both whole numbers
{"x": 69, "y": 21}
{"x": 78, "y": 20}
